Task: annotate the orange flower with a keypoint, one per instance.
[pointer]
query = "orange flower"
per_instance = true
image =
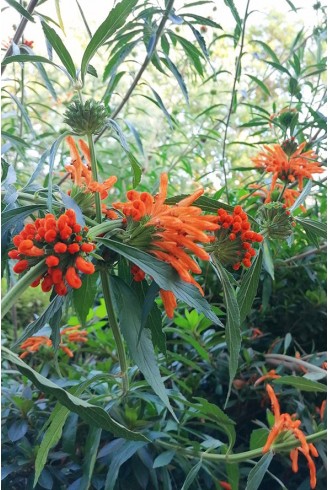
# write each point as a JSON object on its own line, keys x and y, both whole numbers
{"x": 256, "y": 332}
{"x": 284, "y": 422}
{"x": 63, "y": 243}
{"x": 289, "y": 196}
{"x": 69, "y": 334}
{"x": 288, "y": 162}
{"x": 225, "y": 485}
{"x": 269, "y": 375}
{"x": 81, "y": 174}
{"x": 169, "y": 232}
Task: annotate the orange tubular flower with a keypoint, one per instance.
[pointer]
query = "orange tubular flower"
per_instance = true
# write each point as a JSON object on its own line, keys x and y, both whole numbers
{"x": 169, "y": 232}
{"x": 284, "y": 422}
{"x": 63, "y": 243}
{"x": 288, "y": 162}
{"x": 225, "y": 485}
{"x": 289, "y": 195}
{"x": 81, "y": 174}
{"x": 270, "y": 375}
{"x": 70, "y": 334}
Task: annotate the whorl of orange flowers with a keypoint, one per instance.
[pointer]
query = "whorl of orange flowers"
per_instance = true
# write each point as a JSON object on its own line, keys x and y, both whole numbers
{"x": 234, "y": 238}
{"x": 289, "y": 196}
{"x": 169, "y": 232}
{"x": 288, "y": 162}
{"x": 64, "y": 245}
{"x": 284, "y": 422}
{"x": 81, "y": 174}
{"x": 70, "y": 334}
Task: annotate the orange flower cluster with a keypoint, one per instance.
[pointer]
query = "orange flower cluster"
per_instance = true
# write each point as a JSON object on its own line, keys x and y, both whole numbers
{"x": 289, "y": 196}
{"x": 288, "y": 162}
{"x": 64, "y": 244}
{"x": 168, "y": 232}
{"x": 234, "y": 238}
{"x": 81, "y": 174}
{"x": 70, "y": 334}
{"x": 284, "y": 422}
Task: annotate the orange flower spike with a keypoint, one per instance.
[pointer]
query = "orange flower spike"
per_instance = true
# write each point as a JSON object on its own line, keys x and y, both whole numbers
{"x": 225, "y": 485}
{"x": 86, "y": 152}
{"x": 322, "y": 409}
{"x": 187, "y": 201}
{"x": 66, "y": 350}
{"x": 76, "y": 167}
{"x": 294, "y": 459}
{"x": 274, "y": 402}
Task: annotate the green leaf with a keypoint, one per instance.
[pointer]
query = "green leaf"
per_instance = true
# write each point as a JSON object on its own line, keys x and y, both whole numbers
{"x": 55, "y": 424}
{"x": 115, "y": 19}
{"x": 260, "y": 84}
{"x": 13, "y": 138}
{"x": 136, "y": 168}
{"x": 140, "y": 346}
{"x": 55, "y": 305}
{"x": 233, "y": 334}
{"x": 205, "y": 21}
{"x": 258, "y": 438}
{"x": 314, "y": 229}
{"x": 302, "y": 383}
{"x": 234, "y": 11}
{"x": 257, "y": 473}
{"x": 248, "y": 287}
{"x": 163, "y": 459}
{"x": 52, "y": 157}
{"x": 171, "y": 66}
{"x": 278, "y": 67}
{"x": 90, "y": 455}
{"x": 124, "y": 451}
{"x": 117, "y": 59}
{"x": 267, "y": 259}
{"x": 165, "y": 276}
{"x": 17, "y": 6}
{"x": 192, "y": 475}
{"x": 268, "y": 50}
{"x": 60, "y": 49}
{"x": 301, "y": 198}
{"x": 214, "y": 413}
{"x": 191, "y": 51}
{"x": 83, "y": 298}
{"x": 233, "y": 475}
{"x": 23, "y": 112}
{"x": 91, "y": 414}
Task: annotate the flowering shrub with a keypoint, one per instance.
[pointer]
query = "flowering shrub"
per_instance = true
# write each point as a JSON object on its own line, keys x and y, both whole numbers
{"x": 186, "y": 309}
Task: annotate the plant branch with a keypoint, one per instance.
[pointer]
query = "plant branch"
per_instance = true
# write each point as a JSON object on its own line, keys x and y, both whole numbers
{"x": 306, "y": 254}
{"x": 19, "y": 32}
{"x": 238, "y": 458}
{"x": 94, "y": 171}
{"x": 291, "y": 362}
{"x": 143, "y": 66}
{"x": 237, "y": 74}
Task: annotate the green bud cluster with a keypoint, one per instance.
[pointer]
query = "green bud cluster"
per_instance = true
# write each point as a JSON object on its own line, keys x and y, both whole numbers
{"x": 275, "y": 221}
{"x": 87, "y": 118}
{"x": 289, "y": 146}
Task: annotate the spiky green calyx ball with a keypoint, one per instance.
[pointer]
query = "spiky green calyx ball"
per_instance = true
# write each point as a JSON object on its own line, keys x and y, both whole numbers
{"x": 87, "y": 118}
{"x": 275, "y": 221}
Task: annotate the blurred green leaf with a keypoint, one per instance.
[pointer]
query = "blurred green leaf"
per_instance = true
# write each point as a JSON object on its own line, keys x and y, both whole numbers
{"x": 257, "y": 473}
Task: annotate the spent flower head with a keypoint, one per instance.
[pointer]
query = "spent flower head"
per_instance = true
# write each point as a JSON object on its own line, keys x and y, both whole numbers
{"x": 89, "y": 117}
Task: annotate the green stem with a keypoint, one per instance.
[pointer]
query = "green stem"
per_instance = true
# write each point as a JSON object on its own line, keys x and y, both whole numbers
{"x": 115, "y": 329}
{"x": 94, "y": 171}
{"x": 105, "y": 227}
{"x": 17, "y": 290}
{"x": 238, "y": 458}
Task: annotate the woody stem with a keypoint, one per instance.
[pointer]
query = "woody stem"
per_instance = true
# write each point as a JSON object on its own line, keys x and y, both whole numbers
{"x": 115, "y": 329}
{"x": 17, "y": 290}
{"x": 94, "y": 171}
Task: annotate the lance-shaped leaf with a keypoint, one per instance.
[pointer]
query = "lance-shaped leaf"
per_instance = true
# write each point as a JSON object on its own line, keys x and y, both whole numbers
{"x": 165, "y": 276}
{"x": 91, "y": 414}
{"x": 248, "y": 287}
{"x": 257, "y": 473}
{"x": 60, "y": 49}
{"x": 233, "y": 334}
{"x": 139, "y": 344}
{"x": 115, "y": 19}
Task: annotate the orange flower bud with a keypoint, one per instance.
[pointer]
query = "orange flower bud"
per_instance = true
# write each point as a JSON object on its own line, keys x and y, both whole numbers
{"x": 72, "y": 278}
{"x": 84, "y": 266}
{"x": 20, "y": 267}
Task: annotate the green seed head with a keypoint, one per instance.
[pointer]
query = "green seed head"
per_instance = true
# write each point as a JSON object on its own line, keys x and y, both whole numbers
{"x": 87, "y": 118}
{"x": 275, "y": 221}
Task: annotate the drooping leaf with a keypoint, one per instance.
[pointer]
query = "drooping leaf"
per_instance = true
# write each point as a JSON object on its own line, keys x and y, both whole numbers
{"x": 163, "y": 459}
{"x": 165, "y": 276}
{"x": 84, "y": 297}
{"x": 90, "y": 455}
{"x": 92, "y": 414}
{"x": 23, "y": 112}
{"x": 268, "y": 50}
{"x": 171, "y": 66}
{"x": 267, "y": 259}
{"x": 115, "y": 19}
{"x": 124, "y": 451}
{"x": 301, "y": 198}
{"x": 260, "y": 84}
{"x": 192, "y": 475}
{"x": 52, "y": 157}
{"x": 314, "y": 229}
{"x": 232, "y": 329}
{"x": 257, "y": 473}
{"x": 55, "y": 305}
{"x": 140, "y": 346}
{"x": 248, "y": 287}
